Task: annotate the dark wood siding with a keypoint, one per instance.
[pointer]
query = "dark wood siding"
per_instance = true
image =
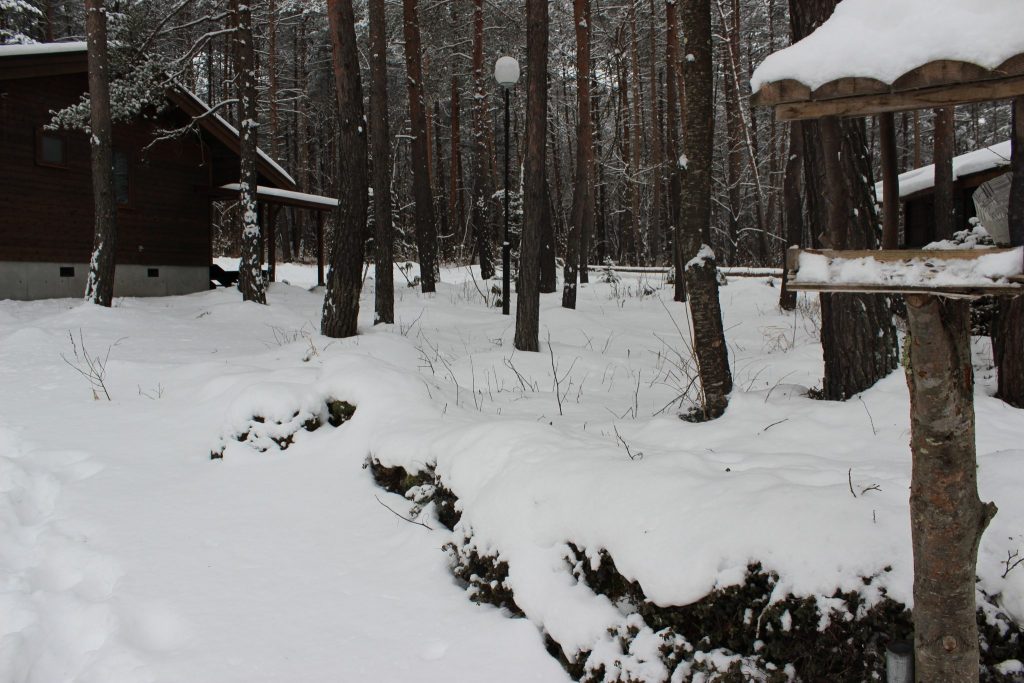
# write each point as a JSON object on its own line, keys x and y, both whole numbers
{"x": 46, "y": 213}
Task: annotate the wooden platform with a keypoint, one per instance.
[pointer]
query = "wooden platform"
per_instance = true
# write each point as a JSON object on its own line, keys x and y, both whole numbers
{"x": 927, "y": 266}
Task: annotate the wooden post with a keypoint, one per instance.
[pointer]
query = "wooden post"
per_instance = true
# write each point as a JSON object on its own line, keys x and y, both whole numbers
{"x": 947, "y": 518}
{"x": 319, "y": 248}
{"x": 272, "y": 243}
{"x": 945, "y": 216}
{"x": 890, "y": 182}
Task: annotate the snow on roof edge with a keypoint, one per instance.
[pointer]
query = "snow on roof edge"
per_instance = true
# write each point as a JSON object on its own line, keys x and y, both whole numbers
{"x": 966, "y": 164}
{"x": 264, "y": 190}
{"x": 21, "y": 49}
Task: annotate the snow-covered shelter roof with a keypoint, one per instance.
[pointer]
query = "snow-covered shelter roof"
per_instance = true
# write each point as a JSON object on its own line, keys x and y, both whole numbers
{"x": 978, "y": 161}
{"x": 41, "y": 48}
{"x": 873, "y": 56}
{"x": 286, "y": 197}
{"x": 34, "y": 59}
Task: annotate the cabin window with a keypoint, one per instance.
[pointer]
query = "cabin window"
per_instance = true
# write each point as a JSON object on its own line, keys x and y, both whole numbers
{"x": 51, "y": 149}
{"x": 153, "y": 272}
{"x": 121, "y": 173}
{"x": 67, "y": 271}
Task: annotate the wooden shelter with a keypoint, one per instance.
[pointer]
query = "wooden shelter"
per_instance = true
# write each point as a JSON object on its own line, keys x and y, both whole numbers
{"x": 917, "y": 192}
{"x": 164, "y": 185}
{"x": 927, "y": 56}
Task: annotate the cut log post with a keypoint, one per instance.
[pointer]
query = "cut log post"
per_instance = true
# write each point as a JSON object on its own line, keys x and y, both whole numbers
{"x": 947, "y": 517}
{"x": 890, "y": 182}
{"x": 319, "y": 249}
{"x": 271, "y": 230}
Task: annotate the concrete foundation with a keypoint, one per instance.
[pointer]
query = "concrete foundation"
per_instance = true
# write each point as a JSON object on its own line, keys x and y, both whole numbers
{"x": 25, "y": 281}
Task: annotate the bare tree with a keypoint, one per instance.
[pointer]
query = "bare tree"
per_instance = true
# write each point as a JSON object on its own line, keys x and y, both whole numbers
{"x": 99, "y": 288}
{"x": 700, "y": 267}
{"x": 528, "y": 291}
{"x": 380, "y": 137}
{"x": 344, "y": 279}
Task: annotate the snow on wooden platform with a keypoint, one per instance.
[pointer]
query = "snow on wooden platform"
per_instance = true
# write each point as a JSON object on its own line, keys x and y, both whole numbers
{"x": 952, "y": 272}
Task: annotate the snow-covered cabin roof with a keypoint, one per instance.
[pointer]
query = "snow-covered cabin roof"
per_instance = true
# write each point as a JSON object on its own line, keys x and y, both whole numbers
{"x": 286, "y": 197}
{"x": 34, "y": 59}
{"x": 978, "y": 161}
{"x": 41, "y": 48}
{"x": 877, "y": 50}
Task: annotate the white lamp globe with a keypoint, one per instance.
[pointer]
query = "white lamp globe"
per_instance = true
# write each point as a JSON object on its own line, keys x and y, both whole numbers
{"x": 506, "y": 71}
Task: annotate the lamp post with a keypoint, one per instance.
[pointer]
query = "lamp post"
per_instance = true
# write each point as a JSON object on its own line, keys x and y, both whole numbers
{"x": 506, "y": 73}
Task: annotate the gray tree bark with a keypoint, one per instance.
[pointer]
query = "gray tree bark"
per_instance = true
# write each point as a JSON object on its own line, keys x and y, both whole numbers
{"x": 947, "y": 518}
{"x": 99, "y": 288}
{"x": 426, "y": 226}
{"x": 250, "y": 271}
{"x": 583, "y": 189}
{"x": 701, "y": 273}
{"x": 344, "y": 279}
{"x": 380, "y": 136}
{"x": 534, "y": 191}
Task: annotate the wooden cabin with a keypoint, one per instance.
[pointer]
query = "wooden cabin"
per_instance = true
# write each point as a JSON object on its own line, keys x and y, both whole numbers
{"x": 917, "y": 191}
{"x": 164, "y": 189}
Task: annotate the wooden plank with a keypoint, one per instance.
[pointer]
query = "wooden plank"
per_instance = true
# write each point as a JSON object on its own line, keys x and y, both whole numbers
{"x": 1014, "y": 66}
{"x": 923, "y": 98}
{"x": 850, "y": 87}
{"x": 942, "y": 72}
{"x": 788, "y": 90}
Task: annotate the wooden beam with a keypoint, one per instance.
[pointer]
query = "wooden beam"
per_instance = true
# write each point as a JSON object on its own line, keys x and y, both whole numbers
{"x": 272, "y": 242}
{"x": 923, "y": 98}
{"x": 890, "y": 181}
{"x": 944, "y": 140}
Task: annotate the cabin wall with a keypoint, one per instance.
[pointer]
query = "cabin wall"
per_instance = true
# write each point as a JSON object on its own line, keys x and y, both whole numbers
{"x": 46, "y": 213}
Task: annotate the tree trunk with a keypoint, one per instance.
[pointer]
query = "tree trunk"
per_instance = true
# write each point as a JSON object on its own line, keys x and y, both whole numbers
{"x": 700, "y": 269}
{"x": 99, "y": 288}
{"x": 734, "y": 130}
{"x": 947, "y": 518}
{"x": 633, "y": 178}
{"x": 426, "y": 228}
{"x": 945, "y": 211}
{"x": 344, "y": 279}
{"x": 456, "y": 211}
{"x": 380, "y": 137}
{"x": 672, "y": 80}
{"x": 858, "y": 338}
{"x": 1008, "y": 337}
{"x": 583, "y": 188}
{"x": 528, "y": 294}
{"x": 250, "y": 273}
{"x": 482, "y": 212}
{"x": 656, "y": 242}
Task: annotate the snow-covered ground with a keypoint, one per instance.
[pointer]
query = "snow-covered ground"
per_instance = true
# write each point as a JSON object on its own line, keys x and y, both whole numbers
{"x": 127, "y": 554}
